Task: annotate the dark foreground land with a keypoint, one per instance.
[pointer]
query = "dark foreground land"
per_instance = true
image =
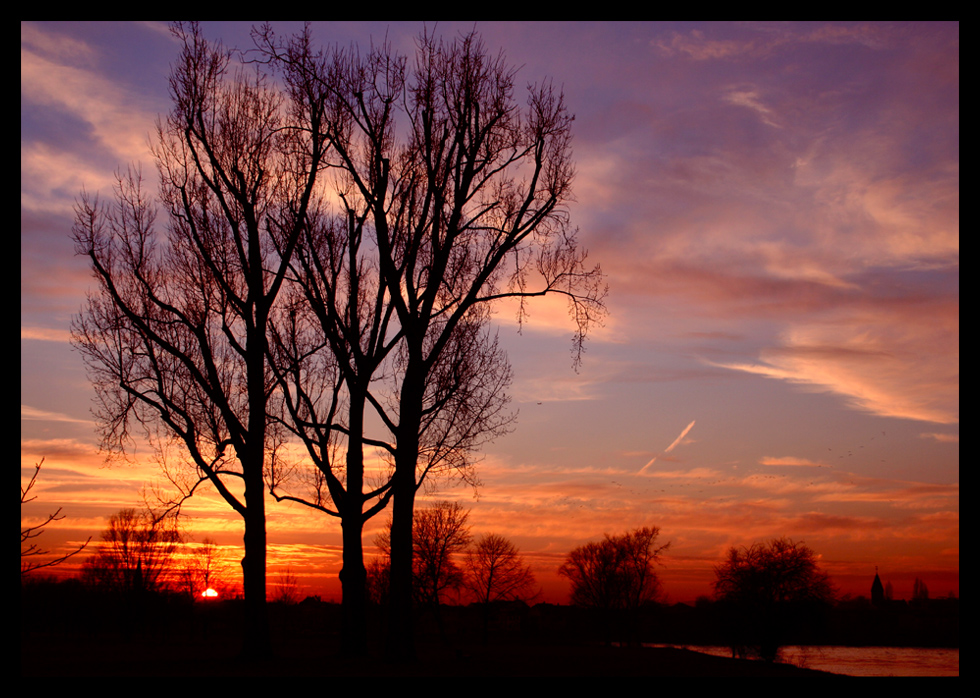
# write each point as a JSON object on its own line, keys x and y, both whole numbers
{"x": 69, "y": 630}
{"x": 60, "y": 657}
{"x": 100, "y": 637}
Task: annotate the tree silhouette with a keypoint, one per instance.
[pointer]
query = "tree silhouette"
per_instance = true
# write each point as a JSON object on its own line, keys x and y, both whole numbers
{"x": 136, "y": 554}
{"x": 175, "y": 337}
{"x": 27, "y": 562}
{"x": 463, "y": 197}
{"x": 770, "y": 587}
{"x": 207, "y": 569}
{"x": 286, "y": 587}
{"x": 615, "y": 575}
{"x": 495, "y": 571}
{"x": 616, "y": 572}
{"x": 920, "y": 592}
{"x": 440, "y": 533}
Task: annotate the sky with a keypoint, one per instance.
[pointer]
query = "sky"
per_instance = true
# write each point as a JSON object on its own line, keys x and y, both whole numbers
{"x": 776, "y": 209}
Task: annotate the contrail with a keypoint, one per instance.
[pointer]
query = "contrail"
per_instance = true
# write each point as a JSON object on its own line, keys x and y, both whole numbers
{"x": 678, "y": 439}
{"x": 669, "y": 448}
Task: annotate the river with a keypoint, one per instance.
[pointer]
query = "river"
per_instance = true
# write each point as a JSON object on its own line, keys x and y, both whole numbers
{"x": 863, "y": 661}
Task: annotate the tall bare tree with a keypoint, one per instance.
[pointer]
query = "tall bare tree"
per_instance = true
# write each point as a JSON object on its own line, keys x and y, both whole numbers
{"x": 331, "y": 348}
{"x": 465, "y": 194}
{"x": 345, "y": 348}
{"x": 175, "y": 336}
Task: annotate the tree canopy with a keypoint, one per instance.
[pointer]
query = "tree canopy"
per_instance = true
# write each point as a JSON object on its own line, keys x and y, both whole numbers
{"x": 770, "y": 588}
{"x": 616, "y": 572}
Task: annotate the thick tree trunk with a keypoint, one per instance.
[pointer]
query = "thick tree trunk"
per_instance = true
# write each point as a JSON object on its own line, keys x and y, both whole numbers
{"x": 353, "y": 577}
{"x": 401, "y": 630}
{"x": 256, "y": 643}
{"x": 353, "y": 580}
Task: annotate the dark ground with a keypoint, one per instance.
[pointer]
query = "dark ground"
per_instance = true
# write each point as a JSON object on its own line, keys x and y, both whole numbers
{"x": 59, "y": 657}
{"x": 67, "y": 630}
{"x": 81, "y": 635}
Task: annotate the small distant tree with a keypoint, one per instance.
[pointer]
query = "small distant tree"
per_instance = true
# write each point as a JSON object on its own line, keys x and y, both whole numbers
{"x": 920, "y": 592}
{"x": 495, "y": 571}
{"x": 617, "y": 574}
{"x": 439, "y": 534}
{"x": 29, "y": 555}
{"x": 207, "y": 568}
{"x": 136, "y": 554}
{"x": 771, "y": 589}
{"x": 378, "y": 574}
{"x": 286, "y": 589}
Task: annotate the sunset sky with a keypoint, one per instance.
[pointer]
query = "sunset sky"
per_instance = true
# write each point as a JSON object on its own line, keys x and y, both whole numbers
{"x": 776, "y": 208}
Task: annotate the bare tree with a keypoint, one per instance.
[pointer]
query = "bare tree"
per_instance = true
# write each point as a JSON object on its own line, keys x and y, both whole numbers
{"x": 440, "y": 534}
{"x": 616, "y": 572}
{"x": 495, "y": 571}
{"x": 28, "y": 555}
{"x": 920, "y": 592}
{"x": 136, "y": 554}
{"x": 466, "y": 199}
{"x": 330, "y": 351}
{"x": 175, "y": 337}
{"x": 616, "y": 575}
{"x": 345, "y": 350}
{"x": 287, "y": 587}
{"x": 770, "y": 586}
{"x": 207, "y": 568}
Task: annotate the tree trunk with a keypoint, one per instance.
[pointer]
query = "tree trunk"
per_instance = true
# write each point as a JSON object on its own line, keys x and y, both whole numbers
{"x": 256, "y": 643}
{"x": 401, "y": 631}
{"x": 353, "y": 580}
{"x": 353, "y": 576}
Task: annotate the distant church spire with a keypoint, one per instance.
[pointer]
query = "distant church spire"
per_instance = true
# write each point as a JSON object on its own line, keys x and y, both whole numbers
{"x": 877, "y": 590}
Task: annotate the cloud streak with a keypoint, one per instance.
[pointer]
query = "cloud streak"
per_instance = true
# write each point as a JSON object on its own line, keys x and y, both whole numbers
{"x": 670, "y": 448}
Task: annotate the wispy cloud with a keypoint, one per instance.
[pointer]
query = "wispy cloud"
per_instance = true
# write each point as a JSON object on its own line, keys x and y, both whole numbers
{"x": 32, "y": 413}
{"x": 45, "y": 334}
{"x": 61, "y": 76}
{"x": 892, "y": 364}
{"x": 790, "y": 461}
{"x": 755, "y": 40}
{"x": 941, "y": 438}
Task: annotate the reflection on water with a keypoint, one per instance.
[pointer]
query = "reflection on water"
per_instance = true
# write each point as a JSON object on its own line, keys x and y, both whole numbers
{"x": 863, "y": 661}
